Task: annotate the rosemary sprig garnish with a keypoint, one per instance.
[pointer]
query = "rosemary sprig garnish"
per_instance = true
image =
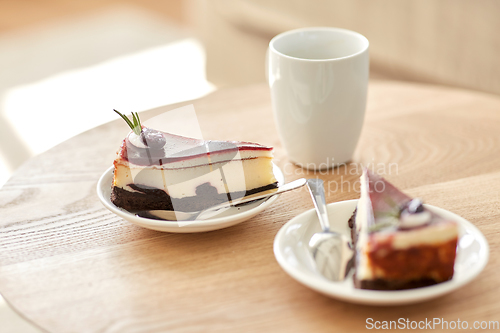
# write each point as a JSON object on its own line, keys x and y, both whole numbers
{"x": 136, "y": 125}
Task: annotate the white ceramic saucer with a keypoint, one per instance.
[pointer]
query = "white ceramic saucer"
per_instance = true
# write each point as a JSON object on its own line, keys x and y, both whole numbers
{"x": 229, "y": 217}
{"x": 291, "y": 251}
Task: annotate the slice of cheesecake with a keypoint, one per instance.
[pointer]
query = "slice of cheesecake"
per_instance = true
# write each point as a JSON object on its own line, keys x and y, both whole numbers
{"x": 399, "y": 243}
{"x": 158, "y": 170}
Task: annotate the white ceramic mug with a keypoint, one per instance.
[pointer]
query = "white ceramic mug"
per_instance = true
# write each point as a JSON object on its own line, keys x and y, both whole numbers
{"x": 319, "y": 80}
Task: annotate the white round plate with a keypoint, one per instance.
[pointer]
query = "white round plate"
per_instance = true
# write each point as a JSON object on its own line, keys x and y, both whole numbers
{"x": 229, "y": 217}
{"x": 291, "y": 251}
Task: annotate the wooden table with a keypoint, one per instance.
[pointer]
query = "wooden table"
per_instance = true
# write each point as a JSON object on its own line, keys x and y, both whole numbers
{"x": 69, "y": 265}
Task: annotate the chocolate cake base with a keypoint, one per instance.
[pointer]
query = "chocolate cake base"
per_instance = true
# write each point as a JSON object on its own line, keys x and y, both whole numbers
{"x": 150, "y": 198}
{"x": 379, "y": 284}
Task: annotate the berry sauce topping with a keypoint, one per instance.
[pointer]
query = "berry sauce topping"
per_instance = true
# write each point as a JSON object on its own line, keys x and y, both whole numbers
{"x": 414, "y": 206}
{"x": 152, "y": 138}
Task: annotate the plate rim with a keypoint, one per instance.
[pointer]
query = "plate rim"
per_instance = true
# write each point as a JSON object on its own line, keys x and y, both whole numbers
{"x": 186, "y": 226}
{"x": 378, "y": 297}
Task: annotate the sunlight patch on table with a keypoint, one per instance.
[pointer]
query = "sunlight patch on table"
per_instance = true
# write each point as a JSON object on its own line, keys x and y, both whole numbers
{"x": 50, "y": 111}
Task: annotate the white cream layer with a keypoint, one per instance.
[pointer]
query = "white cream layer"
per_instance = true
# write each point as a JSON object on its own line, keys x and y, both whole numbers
{"x": 213, "y": 158}
{"x": 364, "y": 210}
{"x": 430, "y": 235}
{"x": 234, "y": 176}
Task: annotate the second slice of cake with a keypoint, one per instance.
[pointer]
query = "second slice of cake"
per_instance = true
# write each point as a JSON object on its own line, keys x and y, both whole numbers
{"x": 399, "y": 243}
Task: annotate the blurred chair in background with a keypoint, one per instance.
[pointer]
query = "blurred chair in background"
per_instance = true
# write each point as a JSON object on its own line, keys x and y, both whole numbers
{"x": 450, "y": 42}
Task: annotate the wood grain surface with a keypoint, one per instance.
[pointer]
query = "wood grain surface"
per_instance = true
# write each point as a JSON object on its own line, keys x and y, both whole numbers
{"x": 69, "y": 265}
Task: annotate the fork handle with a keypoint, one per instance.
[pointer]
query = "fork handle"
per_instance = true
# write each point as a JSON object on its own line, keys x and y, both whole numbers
{"x": 317, "y": 191}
